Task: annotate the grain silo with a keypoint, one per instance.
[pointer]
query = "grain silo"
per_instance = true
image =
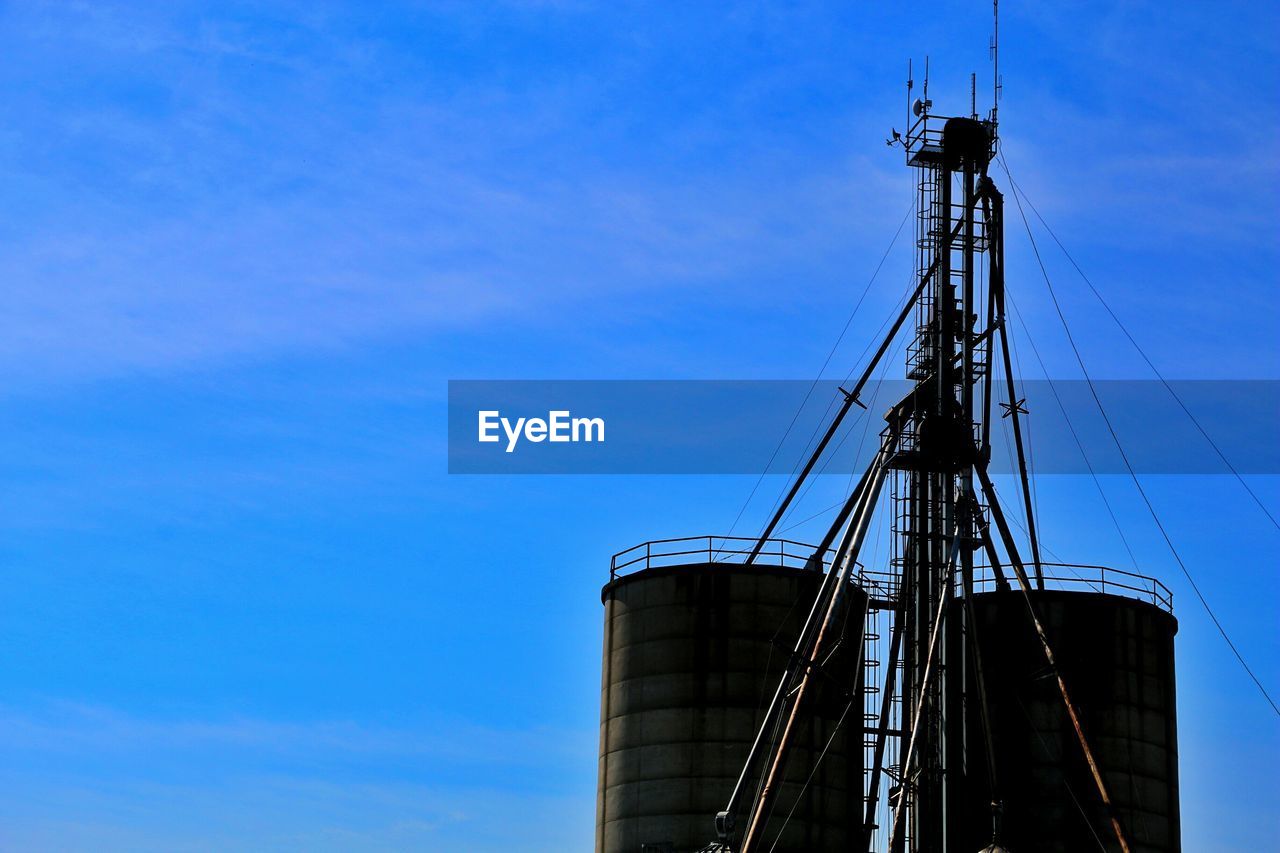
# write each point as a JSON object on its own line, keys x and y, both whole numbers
{"x": 694, "y": 643}
{"x": 1115, "y": 649}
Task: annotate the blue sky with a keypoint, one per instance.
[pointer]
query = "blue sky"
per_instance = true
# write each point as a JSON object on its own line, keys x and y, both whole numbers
{"x": 245, "y": 246}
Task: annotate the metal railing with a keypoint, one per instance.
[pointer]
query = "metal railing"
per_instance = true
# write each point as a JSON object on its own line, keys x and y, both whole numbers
{"x": 1070, "y": 576}
{"x": 882, "y": 586}
{"x": 926, "y": 132}
{"x": 734, "y": 550}
{"x": 712, "y": 549}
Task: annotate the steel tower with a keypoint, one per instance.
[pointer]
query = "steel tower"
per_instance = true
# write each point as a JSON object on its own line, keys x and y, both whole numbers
{"x": 934, "y": 454}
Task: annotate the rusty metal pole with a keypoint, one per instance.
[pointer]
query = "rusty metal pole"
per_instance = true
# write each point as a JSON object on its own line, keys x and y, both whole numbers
{"x": 847, "y": 556}
{"x": 1014, "y": 405}
{"x": 1094, "y": 770}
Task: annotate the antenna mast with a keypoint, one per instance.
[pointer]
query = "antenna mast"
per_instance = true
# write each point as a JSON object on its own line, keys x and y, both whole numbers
{"x": 995, "y": 62}
{"x": 933, "y": 457}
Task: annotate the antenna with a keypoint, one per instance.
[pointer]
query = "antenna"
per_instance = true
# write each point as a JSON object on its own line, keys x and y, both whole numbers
{"x": 995, "y": 60}
{"x": 910, "y": 84}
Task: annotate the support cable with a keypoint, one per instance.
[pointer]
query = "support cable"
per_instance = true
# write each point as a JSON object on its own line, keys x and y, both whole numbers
{"x": 1044, "y": 370}
{"x": 854, "y": 513}
{"x": 1129, "y": 465}
{"x": 846, "y": 558}
{"x": 782, "y": 505}
{"x": 816, "y": 764}
{"x": 851, "y": 397}
{"x": 1067, "y": 703}
{"x": 1203, "y": 432}
{"x": 835, "y": 731}
{"x": 817, "y": 428}
{"x": 1048, "y": 754}
{"x": 825, "y": 364}
{"x": 866, "y": 430}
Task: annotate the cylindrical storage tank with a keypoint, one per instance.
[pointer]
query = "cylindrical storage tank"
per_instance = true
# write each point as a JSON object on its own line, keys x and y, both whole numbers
{"x": 1116, "y": 657}
{"x": 692, "y": 656}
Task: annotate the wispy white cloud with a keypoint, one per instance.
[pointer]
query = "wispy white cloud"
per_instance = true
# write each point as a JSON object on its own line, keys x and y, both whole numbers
{"x": 82, "y": 778}
{"x": 240, "y": 195}
{"x": 207, "y": 188}
{"x": 286, "y": 814}
{"x": 77, "y": 728}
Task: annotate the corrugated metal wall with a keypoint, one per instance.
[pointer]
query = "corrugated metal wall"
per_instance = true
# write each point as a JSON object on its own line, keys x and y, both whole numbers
{"x": 1116, "y": 655}
{"x": 692, "y": 655}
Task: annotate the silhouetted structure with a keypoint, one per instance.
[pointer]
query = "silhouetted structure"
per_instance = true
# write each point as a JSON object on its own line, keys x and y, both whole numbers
{"x": 1005, "y": 701}
{"x": 1116, "y": 652}
{"x": 692, "y": 648}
